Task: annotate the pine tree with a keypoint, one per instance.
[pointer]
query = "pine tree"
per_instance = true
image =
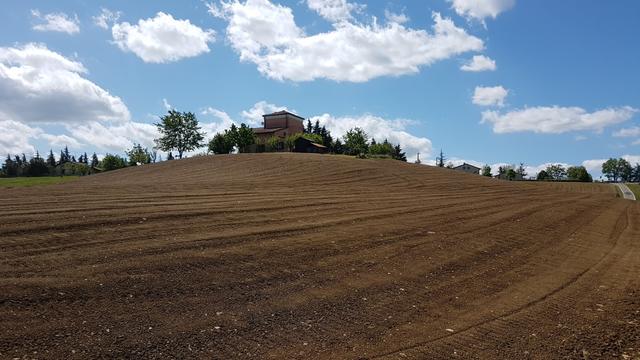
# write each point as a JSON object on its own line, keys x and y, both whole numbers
{"x": 51, "y": 160}
{"x": 309, "y": 128}
{"x": 316, "y": 128}
{"x": 94, "y": 160}
{"x": 398, "y": 154}
{"x": 85, "y": 159}
{"x": 170, "y": 156}
{"x": 440, "y": 160}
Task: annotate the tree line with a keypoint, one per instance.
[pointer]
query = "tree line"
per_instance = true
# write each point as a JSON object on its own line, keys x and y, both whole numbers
{"x": 180, "y": 132}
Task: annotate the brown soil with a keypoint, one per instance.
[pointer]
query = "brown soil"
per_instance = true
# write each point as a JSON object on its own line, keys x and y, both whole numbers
{"x": 310, "y": 256}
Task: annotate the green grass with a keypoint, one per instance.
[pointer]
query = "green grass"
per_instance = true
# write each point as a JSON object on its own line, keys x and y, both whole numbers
{"x": 35, "y": 181}
{"x": 636, "y": 189}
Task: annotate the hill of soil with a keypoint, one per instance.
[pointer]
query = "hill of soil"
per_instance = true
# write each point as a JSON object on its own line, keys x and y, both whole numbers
{"x": 312, "y": 256}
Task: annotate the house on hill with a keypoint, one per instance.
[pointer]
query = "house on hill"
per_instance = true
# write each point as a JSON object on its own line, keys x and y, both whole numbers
{"x": 279, "y": 124}
{"x": 468, "y": 168}
{"x": 276, "y": 127}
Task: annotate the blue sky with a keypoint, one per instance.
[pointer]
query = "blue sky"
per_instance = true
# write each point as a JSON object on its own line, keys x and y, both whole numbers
{"x": 553, "y": 81}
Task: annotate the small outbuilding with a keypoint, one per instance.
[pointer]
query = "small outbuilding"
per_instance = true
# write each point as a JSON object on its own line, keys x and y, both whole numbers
{"x": 305, "y": 145}
{"x": 468, "y": 168}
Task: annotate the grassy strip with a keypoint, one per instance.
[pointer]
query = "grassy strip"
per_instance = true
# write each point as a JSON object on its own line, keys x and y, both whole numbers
{"x": 35, "y": 181}
{"x": 636, "y": 189}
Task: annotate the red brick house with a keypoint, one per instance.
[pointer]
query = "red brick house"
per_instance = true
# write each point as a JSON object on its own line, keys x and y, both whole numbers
{"x": 279, "y": 124}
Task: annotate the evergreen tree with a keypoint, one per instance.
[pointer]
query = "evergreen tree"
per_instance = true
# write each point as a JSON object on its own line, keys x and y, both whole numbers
{"x": 440, "y": 160}
{"x": 73, "y": 159}
{"x": 51, "y": 159}
{"x": 170, "y": 156}
{"x": 398, "y": 154}
{"x": 337, "y": 147}
{"x": 36, "y": 167}
{"x": 10, "y": 168}
{"x": 94, "y": 160}
{"x": 316, "y": 128}
{"x": 309, "y": 128}
{"x": 486, "y": 171}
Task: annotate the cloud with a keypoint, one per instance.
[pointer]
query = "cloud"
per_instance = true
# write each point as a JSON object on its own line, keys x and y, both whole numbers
{"x": 38, "y": 85}
{"x": 395, "y": 18}
{"x": 628, "y": 132}
{"x": 60, "y": 141}
{"x": 594, "y": 165}
{"x": 59, "y": 22}
{"x": 334, "y": 10}
{"x": 166, "y": 104}
{"x": 380, "y": 129}
{"x": 15, "y": 137}
{"x": 481, "y": 9}
{"x": 555, "y": 119}
{"x": 222, "y": 121}
{"x": 106, "y": 18}
{"x": 115, "y": 137}
{"x": 490, "y": 96}
{"x": 266, "y": 34}
{"x": 162, "y": 39}
{"x": 253, "y": 116}
{"x": 479, "y": 63}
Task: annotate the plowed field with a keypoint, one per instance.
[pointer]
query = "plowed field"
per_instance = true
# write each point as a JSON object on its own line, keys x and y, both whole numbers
{"x": 309, "y": 256}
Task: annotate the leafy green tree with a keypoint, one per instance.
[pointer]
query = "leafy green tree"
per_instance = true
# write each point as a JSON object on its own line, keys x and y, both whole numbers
{"x": 356, "y": 142}
{"x": 511, "y": 174}
{"x": 138, "y": 155}
{"x": 578, "y": 173}
{"x": 635, "y": 174}
{"x": 273, "y": 144}
{"x": 112, "y": 162}
{"x": 543, "y": 176}
{"x": 180, "y": 132}
{"x": 486, "y": 171}
{"x": 221, "y": 143}
{"x": 556, "y": 171}
{"x": 617, "y": 169}
{"x": 246, "y": 137}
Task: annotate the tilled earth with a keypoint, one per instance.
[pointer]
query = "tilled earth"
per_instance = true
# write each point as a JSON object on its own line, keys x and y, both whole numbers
{"x": 310, "y": 256}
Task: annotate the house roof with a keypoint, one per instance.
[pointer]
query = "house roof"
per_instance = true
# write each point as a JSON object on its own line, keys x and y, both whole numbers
{"x": 283, "y": 112}
{"x": 265, "y": 131}
{"x": 463, "y": 164}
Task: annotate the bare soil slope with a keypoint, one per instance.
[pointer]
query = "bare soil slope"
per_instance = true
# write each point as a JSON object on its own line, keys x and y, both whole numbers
{"x": 310, "y": 256}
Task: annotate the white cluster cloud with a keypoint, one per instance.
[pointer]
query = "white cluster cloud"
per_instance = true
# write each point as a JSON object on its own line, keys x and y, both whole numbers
{"x": 481, "y": 9}
{"x": 490, "y": 96}
{"x": 556, "y": 119}
{"x": 115, "y": 137}
{"x": 628, "y": 132}
{"x": 59, "y": 22}
{"x": 334, "y": 10}
{"x": 162, "y": 39}
{"x": 380, "y": 129}
{"x": 266, "y": 34}
{"x": 479, "y": 63}
{"x": 106, "y": 18}
{"x": 38, "y": 85}
{"x": 253, "y": 116}
{"x": 41, "y": 87}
